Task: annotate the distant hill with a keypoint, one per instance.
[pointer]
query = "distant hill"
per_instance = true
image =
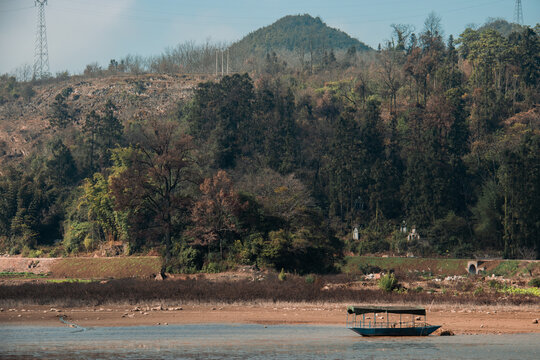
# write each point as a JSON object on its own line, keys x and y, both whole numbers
{"x": 295, "y": 32}
{"x": 502, "y": 26}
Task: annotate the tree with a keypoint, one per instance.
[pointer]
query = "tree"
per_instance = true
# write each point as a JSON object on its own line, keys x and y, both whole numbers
{"x": 390, "y": 73}
{"x": 155, "y": 186}
{"x": 520, "y": 179}
{"x": 215, "y": 214}
{"x": 61, "y": 115}
{"x": 400, "y": 35}
{"x": 104, "y": 130}
{"x": 277, "y": 127}
{"x": 222, "y": 115}
{"x": 61, "y": 166}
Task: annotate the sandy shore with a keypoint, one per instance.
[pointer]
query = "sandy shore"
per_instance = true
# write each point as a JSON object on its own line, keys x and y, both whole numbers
{"x": 459, "y": 319}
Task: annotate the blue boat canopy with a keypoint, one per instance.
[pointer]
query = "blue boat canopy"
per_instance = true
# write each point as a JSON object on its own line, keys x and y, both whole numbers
{"x": 359, "y": 310}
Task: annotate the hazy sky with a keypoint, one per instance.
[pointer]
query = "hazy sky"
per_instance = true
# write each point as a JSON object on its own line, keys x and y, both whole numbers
{"x": 84, "y": 31}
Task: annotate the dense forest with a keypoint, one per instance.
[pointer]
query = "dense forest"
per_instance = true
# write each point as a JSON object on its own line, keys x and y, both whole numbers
{"x": 310, "y": 34}
{"x": 276, "y": 164}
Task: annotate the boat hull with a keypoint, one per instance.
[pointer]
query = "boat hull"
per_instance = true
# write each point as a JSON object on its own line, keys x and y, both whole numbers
{"x": 408, "y": 331}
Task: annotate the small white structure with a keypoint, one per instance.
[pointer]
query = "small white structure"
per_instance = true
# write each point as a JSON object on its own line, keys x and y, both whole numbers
{"x": 413, "y": 235}
{"x": 355, "y": 234}
{"x": 403, "y": 227}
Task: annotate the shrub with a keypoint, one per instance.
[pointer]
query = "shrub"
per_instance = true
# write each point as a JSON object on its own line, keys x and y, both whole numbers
{"x": 212, "y": 268}
{"x": 368, "y": 269}
{"x": 89, "y": 243}
{"x": 478, "y": 291}
{"x": 310, "y": 279}
{"x": 506, "y": 268}
{"x": 282, "y": 276}
{"x": 535, "y": 282}
{"x": 494, "y": 284}
{"x": 388, "y": 282}
{"x": 188, "y": 260}
{"x": 35, "y": 253}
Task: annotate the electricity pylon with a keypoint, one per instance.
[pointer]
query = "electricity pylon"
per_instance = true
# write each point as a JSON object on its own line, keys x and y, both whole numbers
{"x": 41, "y": 52}
{"x": 518, "y": 13}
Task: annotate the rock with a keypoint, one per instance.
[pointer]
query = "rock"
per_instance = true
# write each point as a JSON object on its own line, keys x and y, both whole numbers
{"x": 418, "y": 318}
{"x": 178, "y": 308}
{"x": 481, "y": 326}
{"x": 19, "y": 315}
{"x": 1, "y": 309}
{"x": 157, "y": 308}
{"x": 447, "y": 333}
{"x": 213, "y": 308}
{"x": 535, "y": 321}
{"x": 159, "y": 277}
{"x": 165, "y": 323}
{"x": 131, "y": 316}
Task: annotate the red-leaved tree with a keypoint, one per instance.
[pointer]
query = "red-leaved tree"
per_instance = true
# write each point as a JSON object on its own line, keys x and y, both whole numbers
{"x": 215, "y": 214}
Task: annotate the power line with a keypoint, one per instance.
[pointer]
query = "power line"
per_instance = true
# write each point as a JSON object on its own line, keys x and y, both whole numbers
{"x": 41, "y": 52}
{"x": 17, "y": 9}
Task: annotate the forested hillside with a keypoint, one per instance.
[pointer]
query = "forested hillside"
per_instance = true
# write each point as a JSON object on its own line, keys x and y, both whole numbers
{"x": 297, "y": 33}
{"x": 276, "y": 166}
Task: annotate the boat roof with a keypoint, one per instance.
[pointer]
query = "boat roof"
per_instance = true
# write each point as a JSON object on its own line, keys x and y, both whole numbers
{"x": 359, "y": 310}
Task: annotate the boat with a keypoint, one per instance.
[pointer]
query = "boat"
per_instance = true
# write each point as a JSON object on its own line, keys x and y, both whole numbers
{"x": 412, "y": 321}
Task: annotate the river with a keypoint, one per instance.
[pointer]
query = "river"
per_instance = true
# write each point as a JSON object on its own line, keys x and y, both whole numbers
{"x": 220, "y": 341}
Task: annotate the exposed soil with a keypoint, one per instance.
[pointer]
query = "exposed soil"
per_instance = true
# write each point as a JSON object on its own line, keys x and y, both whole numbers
{"x": 458, "y": 319}
{"x": 24, "y": 124}
{"x": 84, "y": 267}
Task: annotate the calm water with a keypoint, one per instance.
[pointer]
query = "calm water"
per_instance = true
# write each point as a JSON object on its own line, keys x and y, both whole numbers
{"x": 251, "y": 341}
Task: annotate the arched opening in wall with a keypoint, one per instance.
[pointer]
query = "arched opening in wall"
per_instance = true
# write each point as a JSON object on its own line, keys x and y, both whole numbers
{"x": 472, "y": 269}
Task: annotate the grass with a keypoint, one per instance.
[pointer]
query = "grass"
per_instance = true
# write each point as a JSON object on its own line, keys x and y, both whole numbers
{"x": 433, "y": 267}
{"x": 506, "y": 268}
{"x": 60, "y": 281}
{"x": 512, "y": 290}
{"x": 117, "y": 267}
{"x": 25, "y": 275}
{"x": 293, "y": 289}
{"x": 405, "y": 267}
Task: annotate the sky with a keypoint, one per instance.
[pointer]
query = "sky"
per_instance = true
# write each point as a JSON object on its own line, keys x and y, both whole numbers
{"x": 80, "y": 32}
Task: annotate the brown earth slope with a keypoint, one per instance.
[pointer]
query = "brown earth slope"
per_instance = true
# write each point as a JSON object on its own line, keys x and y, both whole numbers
{"x": 24, "y": 124}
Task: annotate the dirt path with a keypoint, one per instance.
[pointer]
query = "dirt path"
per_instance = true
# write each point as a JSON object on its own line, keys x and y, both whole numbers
{"x": 460, "y": 320}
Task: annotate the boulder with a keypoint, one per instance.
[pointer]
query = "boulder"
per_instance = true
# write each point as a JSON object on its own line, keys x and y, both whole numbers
{"x": 447, "y": 333}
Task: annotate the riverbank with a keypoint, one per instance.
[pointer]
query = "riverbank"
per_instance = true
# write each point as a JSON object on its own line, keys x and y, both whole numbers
{"x": 458, "y": 319}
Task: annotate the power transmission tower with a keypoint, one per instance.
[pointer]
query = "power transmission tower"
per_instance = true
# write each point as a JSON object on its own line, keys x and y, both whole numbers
{"x": 518, "y": 13}
{"x": 41, "y": 53}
